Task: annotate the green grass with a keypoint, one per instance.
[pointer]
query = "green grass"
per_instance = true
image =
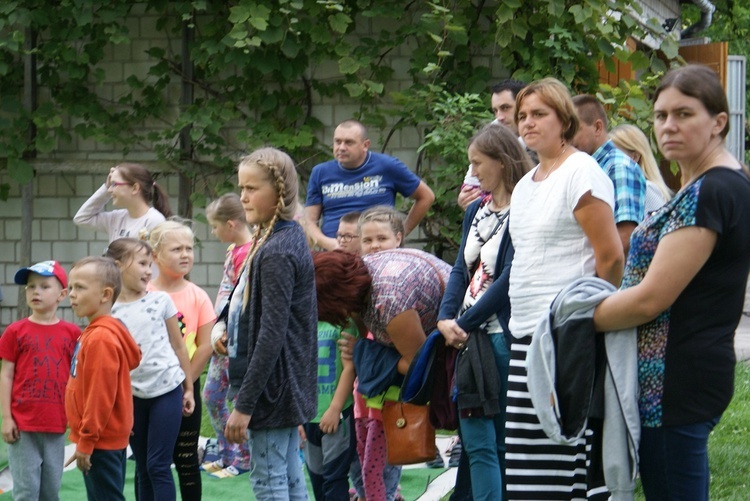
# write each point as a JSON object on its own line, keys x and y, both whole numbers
{"x": 728, "y": 446}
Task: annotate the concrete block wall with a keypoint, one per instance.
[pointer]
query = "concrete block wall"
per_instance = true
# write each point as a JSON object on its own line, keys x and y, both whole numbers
{"x": 57, "y": 197}
{"x": 77, "y": 167}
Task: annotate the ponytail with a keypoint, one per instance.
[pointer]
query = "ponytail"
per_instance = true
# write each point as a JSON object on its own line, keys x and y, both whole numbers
{"x": 151, "y": 192}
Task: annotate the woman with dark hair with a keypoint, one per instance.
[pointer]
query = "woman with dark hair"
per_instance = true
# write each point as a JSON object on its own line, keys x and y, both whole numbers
{"x": 684, "y": 287}
{"x": 563, "y": 228}
{"x": 143, "y": 204}
{"x": 476, "y": 302}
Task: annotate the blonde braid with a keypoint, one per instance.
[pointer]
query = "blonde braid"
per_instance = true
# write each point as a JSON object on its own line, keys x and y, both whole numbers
{"x": 259, "y": 240}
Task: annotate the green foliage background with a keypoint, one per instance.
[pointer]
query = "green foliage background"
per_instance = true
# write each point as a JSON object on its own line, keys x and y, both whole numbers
{"x": 258, "y": 68}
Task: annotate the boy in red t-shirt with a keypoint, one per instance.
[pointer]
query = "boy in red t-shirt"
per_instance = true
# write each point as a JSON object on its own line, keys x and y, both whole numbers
{"x": 36, "y": 353}
{"x": 99, "y": 399}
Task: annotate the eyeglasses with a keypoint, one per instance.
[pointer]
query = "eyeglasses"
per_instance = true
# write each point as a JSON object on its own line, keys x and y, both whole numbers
{"x": 119, "y": 183}
{"x": 345, "y": 237}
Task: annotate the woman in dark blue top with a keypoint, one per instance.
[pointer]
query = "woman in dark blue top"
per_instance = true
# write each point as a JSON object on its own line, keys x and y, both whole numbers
{"x": 476, "y": 303}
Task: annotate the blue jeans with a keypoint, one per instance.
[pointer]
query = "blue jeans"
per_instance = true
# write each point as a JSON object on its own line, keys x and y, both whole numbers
{"x": 155, "y": 427}
{"x": 276, "y": 469}
{"x": 462, "y": 489}
{"x": 484, "y": 437}
{"x": 674, "y": 461}
{"x": 329, "y": 456}
{"x": 105, "y": 481}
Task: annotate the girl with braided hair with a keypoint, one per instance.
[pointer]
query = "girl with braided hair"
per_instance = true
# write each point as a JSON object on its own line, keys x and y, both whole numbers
{"x": 272, "y": 330}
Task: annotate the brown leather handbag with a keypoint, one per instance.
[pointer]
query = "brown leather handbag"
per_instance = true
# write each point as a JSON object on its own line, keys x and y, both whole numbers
{"x": 409, "y": 435}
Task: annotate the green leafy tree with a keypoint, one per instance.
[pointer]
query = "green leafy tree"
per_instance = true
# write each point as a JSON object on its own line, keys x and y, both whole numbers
{"x": 231, "y": 76}
{"x": 731, "y": 23}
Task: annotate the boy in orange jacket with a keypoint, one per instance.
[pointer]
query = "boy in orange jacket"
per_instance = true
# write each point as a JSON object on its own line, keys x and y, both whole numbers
{"x": 98, "y": 398}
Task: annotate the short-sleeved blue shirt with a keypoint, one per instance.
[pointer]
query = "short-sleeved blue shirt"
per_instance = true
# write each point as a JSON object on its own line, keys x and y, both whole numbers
{"x": 339, "y": 190}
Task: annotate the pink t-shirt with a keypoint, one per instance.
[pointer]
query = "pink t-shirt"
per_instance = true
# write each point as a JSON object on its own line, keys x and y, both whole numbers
{"x": 194, "y": 309}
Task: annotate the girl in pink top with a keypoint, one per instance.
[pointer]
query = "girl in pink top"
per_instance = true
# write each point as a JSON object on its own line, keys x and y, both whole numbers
{"x": 227, "y": 219}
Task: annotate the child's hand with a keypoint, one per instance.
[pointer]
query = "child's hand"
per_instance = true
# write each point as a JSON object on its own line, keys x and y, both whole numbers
{"x": 219, "y": 337}
{"x": 467, "y": 195}
{"x": 83, "y": 461}
{"x": 109, "y": 176}
{"x": 236, "y": 429}
{"x": 329, "y": 423}
{"x": 10, "y": 430}
{"x": 302, "y": 436}
{"x": 188, "y": 403}
{"x": 346, "y": 345}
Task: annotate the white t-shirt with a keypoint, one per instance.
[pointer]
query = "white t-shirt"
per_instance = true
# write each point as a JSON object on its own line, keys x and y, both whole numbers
{"x": 159, "y": 371}
{"x": 551, "y": 249}
{"x": 117, "y": 223}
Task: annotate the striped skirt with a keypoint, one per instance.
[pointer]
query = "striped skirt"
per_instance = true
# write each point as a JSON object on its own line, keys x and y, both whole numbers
{"x": 536, "y": 467}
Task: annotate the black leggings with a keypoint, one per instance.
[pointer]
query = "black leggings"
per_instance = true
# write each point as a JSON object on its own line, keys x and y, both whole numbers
{"x": 185, "y": 455}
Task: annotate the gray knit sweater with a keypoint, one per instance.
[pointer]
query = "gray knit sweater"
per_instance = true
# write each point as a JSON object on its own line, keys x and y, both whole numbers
{"x": 277, "y": 378}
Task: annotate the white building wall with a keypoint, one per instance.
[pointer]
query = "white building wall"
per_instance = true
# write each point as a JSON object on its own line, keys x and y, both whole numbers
{"x": 77, "y": 167}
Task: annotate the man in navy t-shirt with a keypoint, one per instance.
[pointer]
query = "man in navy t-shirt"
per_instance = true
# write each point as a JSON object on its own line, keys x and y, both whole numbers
{"x": 356, "y": 180}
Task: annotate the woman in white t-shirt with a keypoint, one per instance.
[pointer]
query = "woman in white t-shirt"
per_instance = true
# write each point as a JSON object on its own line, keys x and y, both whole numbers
{"x": 562, "y": 229}
{"x": 131, "y": 187}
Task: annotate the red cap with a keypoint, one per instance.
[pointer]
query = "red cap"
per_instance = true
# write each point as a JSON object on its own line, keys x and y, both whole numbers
{"x": 45, "y": 269}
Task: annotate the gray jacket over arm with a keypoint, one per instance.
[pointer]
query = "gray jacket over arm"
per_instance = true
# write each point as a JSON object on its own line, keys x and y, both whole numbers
{"x": 566, "y": 333}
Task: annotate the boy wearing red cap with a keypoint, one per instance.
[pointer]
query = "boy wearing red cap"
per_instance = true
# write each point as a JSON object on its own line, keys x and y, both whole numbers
{"x": 36, "y": 353}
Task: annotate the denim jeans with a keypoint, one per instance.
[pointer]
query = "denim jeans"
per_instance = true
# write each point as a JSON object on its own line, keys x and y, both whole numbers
{"x": 462, "y": 489}
{"x": 105, "y": 481}
{"x": 276, "y": 469}
{"x": 674, "y": 461}
{"x": 484, "y": 437}
{"x": 155, "y": 427}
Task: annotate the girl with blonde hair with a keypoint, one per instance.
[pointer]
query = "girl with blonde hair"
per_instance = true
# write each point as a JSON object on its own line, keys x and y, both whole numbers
{"x": 172, "y": 242}
{"x": 272, "y": 330}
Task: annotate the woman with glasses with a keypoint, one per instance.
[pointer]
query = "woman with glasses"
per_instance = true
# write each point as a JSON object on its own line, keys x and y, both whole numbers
{"x": 132, "y": 188}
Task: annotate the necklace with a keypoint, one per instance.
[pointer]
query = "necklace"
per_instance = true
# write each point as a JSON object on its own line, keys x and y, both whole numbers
{"x": 555, "y": 163}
